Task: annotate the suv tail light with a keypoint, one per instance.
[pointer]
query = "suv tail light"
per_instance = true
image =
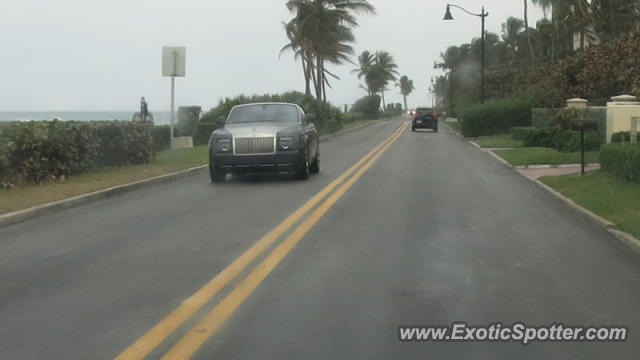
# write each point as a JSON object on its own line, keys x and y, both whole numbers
{"x": 435, "y": 114}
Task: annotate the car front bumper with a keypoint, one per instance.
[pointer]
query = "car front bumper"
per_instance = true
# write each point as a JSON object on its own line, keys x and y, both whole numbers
{"x": 271, "y": 163}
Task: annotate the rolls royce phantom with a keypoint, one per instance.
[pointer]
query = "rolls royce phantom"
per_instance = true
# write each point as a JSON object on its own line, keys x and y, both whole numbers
{"x": 265, "y": 137}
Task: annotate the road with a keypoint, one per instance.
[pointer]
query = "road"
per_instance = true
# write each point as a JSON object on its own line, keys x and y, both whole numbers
{"x": 428, "y": 231}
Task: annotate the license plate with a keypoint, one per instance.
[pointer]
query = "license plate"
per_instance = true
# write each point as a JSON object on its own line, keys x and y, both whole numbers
{"x": 419, "y": 122}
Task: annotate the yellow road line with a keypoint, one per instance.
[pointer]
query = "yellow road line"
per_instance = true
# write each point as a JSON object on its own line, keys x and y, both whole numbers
{"x": 149, "y": 341}
{"x": 197, "y": 336}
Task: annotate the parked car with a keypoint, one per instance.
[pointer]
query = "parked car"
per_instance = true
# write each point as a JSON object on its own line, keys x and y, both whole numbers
{"x": 425, "y": 118}
{"x": 265, "y": 137}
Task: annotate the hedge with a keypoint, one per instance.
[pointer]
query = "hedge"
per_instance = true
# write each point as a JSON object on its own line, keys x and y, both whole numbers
{"x": 36, "y": 151}
{"x": 495, "y": 117}
{"x": 368, "y": 105}
{"x": 520, "y": 132}
{"x": 622, "y": 137}
{"x": 563, "y": 140}
{"x": 328, "y": 117}
{"x": 621, "y": 160}
{"x": 353, "y": 116}
{"x": 203, "y": 133}
{"x": 160, "y": 135}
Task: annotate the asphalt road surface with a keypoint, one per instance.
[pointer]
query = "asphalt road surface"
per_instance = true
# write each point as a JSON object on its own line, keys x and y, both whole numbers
{"x": 427, "y": 230}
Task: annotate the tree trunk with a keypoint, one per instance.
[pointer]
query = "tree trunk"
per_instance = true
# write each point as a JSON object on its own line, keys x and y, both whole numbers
{"x": 319, "y": 79}
{"x": 405, "y": 102}
{"x": 384, "y": 105}
{"x": 526, "y": 26}
{"x": 307, "y": 76}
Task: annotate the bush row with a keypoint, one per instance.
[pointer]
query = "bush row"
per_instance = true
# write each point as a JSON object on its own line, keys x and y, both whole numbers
{"x": 622, "y": 160}
{"x": 328, "y": 117}
{"x": 622, "y": 137}
{"x": 495, "y": 117}
{"x": 561, "y": 140}
{"x": 521, "y": 132}
{"x": 35, "y": 151}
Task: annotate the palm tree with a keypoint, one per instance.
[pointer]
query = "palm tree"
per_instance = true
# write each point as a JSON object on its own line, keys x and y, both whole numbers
{"x": 510, "y": 35}
{"x": 406, "y": 88}
{"x": 365, "y": 62}
{"x": 321, "y": 33}
{"x": 386, "y": 71}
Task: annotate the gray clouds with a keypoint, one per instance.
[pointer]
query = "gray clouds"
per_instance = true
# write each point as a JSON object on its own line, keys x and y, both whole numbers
{"x": 104, "y": 55}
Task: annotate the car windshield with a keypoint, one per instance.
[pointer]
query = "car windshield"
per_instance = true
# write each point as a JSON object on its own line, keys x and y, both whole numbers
{"x": 423, "y": 111}
{"x": 264, "y": 113}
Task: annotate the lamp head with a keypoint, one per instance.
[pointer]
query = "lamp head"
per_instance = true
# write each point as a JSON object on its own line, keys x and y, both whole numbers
{"x": 447, "y": 15}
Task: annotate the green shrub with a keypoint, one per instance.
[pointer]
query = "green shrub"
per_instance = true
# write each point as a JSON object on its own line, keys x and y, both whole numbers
{"x": 160, "y": 135}
{"x": 622, "y": 160}
{"x": 563, "y": 140}
{"x": 495, "y": 117}
{"x": 35, "y": 151}
{"x": 520, "y": 132}
{"x": 622, "y": 137}
{"x": 368, "y": 105}
{"x": 352, "y": 117}
{"x": 328, "y": 117}
{"x": 203, "y": 133}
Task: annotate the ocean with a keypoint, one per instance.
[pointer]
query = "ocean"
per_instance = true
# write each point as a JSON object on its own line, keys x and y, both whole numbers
{"x": 160, "y": 117}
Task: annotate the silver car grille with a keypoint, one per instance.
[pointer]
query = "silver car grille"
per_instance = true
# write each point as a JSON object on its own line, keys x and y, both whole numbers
{"x": 254, "y": 145}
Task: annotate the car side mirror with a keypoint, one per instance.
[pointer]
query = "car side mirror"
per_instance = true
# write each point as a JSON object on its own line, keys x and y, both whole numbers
{"x": 310, "y": 118}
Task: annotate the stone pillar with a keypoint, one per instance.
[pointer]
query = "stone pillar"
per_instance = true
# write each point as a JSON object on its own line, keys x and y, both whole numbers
{"x": 620, "y": 110}
{"x": 577, "y": 103}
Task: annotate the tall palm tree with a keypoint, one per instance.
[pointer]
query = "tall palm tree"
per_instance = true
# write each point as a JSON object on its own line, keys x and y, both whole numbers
{"x": 324, "y": 29}
{"x": 406, "y": 88}
{"x": 365, "y": 62}
{"x": 510, "y": 35}
{"x": 386, "y": 69}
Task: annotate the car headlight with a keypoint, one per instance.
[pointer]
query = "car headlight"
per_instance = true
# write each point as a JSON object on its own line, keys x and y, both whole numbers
{"x": 223, "y": 145}
{"x": 286, "y": 143}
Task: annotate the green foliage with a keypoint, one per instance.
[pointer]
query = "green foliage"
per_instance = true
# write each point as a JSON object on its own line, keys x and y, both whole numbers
{"x": 353, "y": 117}
{"x": 36, "y": 151}
{"x": 563, "y": 119}
{"x": 368, "y": 105}
{"x": 520, "y": 132}
{"x": 495, "y": 117}
{"x": 160, "y": 135}
{"x": 203, "y": 133}
{"x": 622, "y": 137}
{"x": 622, "y": 160}
{"x": 563, "y": 140}
{"x": 328, "y": 117}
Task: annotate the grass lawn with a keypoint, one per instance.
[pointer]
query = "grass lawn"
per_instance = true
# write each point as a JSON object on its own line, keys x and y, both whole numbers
{"x": 457, "y": 125}
{"x": 498, "y": 141}
{"x": 612, "y": 198}
{"x": 541, "y": 156}
{"x": 165, "y": 162}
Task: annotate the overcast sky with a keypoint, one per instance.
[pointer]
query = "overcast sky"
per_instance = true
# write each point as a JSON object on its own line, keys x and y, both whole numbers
{"x": 85, "y": 55}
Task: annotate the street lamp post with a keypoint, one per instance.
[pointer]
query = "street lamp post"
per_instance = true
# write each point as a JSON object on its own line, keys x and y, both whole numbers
{"x": 482, "y": 15}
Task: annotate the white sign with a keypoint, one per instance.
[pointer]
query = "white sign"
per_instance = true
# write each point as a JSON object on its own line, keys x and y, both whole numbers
{"x": 173, "y": 60}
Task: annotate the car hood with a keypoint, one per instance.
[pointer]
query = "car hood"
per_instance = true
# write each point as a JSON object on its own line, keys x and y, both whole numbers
{"x": 260, "y": 129}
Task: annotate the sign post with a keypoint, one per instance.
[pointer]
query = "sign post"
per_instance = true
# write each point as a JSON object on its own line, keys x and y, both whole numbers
{"x": 173, "y": 64}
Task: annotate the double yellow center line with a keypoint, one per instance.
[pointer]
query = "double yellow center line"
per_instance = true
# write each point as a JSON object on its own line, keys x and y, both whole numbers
{"x": 197, "y": 336}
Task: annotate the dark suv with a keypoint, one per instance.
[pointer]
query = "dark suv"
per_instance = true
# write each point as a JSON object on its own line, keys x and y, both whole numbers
{"x": 425, "y": 118}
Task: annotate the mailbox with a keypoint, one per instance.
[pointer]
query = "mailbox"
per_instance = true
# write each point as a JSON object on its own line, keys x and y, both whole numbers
{"x": 584, "y": 125}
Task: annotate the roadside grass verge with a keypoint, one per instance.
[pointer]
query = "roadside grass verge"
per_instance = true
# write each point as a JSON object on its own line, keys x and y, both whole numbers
{"x": 612, "y": 198}
{"x": 498, "y": 141}
{"x": 165, "y": 162}
{"x": 543, "y": 156}
{"x": 456, "y": 125}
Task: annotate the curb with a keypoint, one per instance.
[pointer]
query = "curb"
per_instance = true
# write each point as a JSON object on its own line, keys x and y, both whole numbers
{"x": 625, "y": 238}
{"x": 36, "y": 211}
